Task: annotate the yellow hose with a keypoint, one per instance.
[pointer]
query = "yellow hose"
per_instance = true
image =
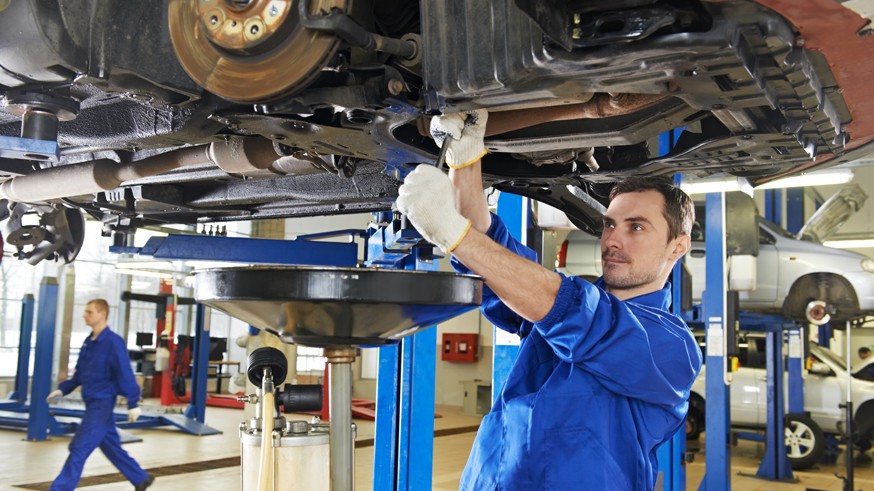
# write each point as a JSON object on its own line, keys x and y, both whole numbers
{"x": 265, "y": 471}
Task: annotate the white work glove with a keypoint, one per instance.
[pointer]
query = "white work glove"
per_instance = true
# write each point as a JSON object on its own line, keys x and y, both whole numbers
{"x": 466, "y": 130}
{"x": 56, "y": 394}
{"x": 134, "y": 414}
{"x": 427, "y": 198}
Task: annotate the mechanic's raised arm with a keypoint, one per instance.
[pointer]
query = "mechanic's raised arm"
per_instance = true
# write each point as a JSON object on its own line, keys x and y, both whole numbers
{"x": 454, "y": 215}
{"x": 525, "y": 287}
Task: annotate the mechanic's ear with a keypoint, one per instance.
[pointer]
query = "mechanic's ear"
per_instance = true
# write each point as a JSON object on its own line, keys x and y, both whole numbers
{"x": 682, "y": 244}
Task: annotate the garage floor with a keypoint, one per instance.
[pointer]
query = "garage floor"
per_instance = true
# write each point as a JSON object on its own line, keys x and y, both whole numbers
{"x": 211, "y": 463}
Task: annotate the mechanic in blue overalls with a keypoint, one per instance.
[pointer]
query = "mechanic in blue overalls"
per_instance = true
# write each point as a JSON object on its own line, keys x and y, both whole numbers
{"x": 603, "y": 373}
{"x": 103, "y": 370}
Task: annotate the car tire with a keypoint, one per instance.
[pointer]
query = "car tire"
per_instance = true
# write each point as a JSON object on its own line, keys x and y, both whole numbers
{"x": 805, "y": 441}
{"x": 694, "y": 424}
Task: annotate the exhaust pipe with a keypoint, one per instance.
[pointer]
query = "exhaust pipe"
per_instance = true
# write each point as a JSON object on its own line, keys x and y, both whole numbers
{"x": 233, "y": 155}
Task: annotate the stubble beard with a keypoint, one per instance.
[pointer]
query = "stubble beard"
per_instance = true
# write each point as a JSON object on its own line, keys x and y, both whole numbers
{"x": 631, "y": 279}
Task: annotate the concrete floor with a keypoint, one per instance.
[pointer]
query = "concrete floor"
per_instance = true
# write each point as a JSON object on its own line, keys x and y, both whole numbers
{"x": 31, "y": 465}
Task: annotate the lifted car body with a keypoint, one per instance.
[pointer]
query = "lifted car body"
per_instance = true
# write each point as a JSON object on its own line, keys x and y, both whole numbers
{"x": 177, "y": 111}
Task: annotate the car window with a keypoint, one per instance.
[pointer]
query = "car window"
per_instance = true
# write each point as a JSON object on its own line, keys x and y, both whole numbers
{"x": 773, "y": 228}
{"x": 833, "y": 358}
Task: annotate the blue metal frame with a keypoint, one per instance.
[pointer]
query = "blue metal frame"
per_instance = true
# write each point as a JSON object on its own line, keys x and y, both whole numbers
{"x": 13, "y": 147}
{"x": 389, "y": 243}
{"x": 404, "y": 433}
{"x": 671, "y": 454}
{"x": 718, "y": 397}
{"x": 38, "y": 421}
{"x": 796, "y": 367}
{"x": 775, "y": 464}
{"x": 774, "y": 205}
{"x": 302, "y": 250}
{"x": 794, "y": 209}
{"x": 200, "y": 358}
{"x": 19, "y": 393}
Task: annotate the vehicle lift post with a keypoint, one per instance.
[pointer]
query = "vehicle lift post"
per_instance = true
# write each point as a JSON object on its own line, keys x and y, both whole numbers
{"x": 672, "y": 454}
{"x": 404, "y": 431}
{"x": 775, "y": 464}
{"x": 19, "y": 393}
{"x": 718, "y": 457}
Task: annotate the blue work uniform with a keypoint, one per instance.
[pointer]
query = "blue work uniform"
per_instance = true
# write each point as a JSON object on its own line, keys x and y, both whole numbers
{"x": 103, "y": 370}
{"x": 597, "y": 386}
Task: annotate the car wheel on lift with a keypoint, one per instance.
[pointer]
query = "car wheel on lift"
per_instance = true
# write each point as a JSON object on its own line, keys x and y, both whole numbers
{"x": 805, "y": 441}
{"x": 694, "y": 425}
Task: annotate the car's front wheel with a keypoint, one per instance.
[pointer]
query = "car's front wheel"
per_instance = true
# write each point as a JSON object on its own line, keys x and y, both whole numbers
{"x": 805, "y": 441}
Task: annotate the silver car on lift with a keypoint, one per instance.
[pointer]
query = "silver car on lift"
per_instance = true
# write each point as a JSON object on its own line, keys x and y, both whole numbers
{"x": 825, "y": 388}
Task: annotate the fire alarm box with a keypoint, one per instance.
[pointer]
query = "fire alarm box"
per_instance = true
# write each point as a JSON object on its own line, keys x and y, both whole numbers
{"x": 460, "y": 347}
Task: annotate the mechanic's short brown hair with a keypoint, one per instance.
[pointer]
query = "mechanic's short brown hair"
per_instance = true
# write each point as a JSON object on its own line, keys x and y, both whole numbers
{"x": 101, "y": 304}
{"x": 679, "y": 209}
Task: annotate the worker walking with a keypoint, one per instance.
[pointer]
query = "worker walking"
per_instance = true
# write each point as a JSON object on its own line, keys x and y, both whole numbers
{"x": 103, "y": 370}
{"x": 603, "y": 374}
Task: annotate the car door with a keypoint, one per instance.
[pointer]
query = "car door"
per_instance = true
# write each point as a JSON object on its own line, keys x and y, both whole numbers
{"x": 822, "y": 395}
{"x": 767, "y": 273}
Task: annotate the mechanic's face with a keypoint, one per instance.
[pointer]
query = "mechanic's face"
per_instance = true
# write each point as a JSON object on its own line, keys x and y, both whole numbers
{"x": 635, "y": 254}
{"x": 93, "y": 316}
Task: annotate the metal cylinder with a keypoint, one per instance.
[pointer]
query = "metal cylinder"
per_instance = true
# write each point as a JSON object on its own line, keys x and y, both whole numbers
{"x": 340, "y": 410}
{"x": 39, "y": 124}
{"x": 298, "y": 460}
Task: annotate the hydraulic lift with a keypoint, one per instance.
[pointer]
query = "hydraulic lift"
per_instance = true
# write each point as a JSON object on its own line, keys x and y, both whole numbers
{"x": 405, "y": 385}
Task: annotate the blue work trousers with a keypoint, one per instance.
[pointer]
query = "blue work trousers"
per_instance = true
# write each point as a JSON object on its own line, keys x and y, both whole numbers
{"x": 97, "y": 430}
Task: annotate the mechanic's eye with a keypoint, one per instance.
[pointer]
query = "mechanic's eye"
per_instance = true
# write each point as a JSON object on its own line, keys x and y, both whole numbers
{"x": 637, "y": 227}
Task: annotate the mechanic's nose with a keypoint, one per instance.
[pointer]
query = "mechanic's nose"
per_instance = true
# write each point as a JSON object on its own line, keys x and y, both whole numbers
{"x": 610, "y": 239}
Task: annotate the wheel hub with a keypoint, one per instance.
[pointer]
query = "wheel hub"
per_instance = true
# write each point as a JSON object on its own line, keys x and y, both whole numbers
{"x": 250, "y": 50}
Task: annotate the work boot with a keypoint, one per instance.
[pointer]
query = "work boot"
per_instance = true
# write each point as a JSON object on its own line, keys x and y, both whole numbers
{"x": 146, "y": 483}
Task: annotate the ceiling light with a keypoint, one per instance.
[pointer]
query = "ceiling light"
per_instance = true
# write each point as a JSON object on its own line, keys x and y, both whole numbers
{"x": 718, "y": 185}
{"x": 728, "y": 184}
{"x": 144, "y": 265}
{"x": 824, "y": 178}
{"x": 144, "y": 272}
{"x": 850, "y": 243}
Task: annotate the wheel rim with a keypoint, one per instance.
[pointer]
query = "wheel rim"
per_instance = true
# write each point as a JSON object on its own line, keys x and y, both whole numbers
{"x": 250, "y": 50}
{"x": 800, "y": 440}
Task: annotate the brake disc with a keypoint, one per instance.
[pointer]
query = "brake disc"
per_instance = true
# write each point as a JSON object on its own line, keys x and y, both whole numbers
{"x": 250, "y": 50}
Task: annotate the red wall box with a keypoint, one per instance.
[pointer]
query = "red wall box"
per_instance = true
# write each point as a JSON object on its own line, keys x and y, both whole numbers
{"x": 460, "y": 347}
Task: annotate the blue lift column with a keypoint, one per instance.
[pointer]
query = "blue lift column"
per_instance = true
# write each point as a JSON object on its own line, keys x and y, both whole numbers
{"x": 718, "y": 458}
{"x": 672, "y": 454}
{"x": 404, "y": 431}
{"x": 19, "y": 393}
{"x": 513, "y": 210}
{"x": 200, "y": 359}
{"x": 795, "y": 366}
{"x": 39, "y": 420}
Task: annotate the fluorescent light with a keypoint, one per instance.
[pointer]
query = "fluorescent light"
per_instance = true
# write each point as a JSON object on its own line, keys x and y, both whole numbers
{"x": 850, "y": 243}
{"x": 143, "y": 272}
{"x": 728, "y": 184}
{"x": 720, "y": 185}
{"x": 824, "y": 178}
{"x": 144, "y": 265}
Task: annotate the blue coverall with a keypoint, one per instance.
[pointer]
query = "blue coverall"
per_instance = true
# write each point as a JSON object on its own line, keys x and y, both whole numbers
{"x": 597, "y": 386}
{"x": 103, "y": 370}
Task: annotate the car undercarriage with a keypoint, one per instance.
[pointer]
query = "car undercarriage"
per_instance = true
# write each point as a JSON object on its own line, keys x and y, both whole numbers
{"x": 146, "y": 113}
